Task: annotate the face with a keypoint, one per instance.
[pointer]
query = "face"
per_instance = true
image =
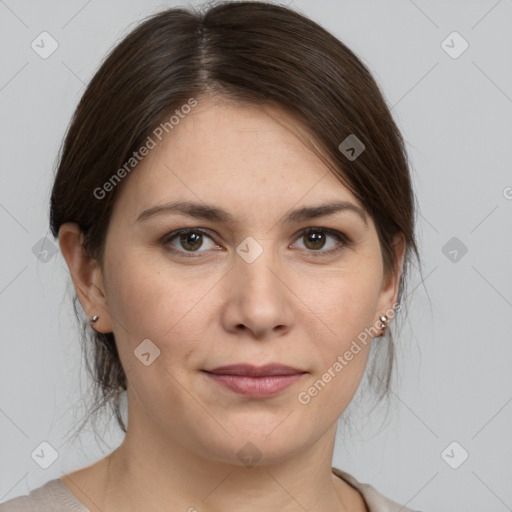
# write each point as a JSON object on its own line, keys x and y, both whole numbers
{"x": 258, "y": 286}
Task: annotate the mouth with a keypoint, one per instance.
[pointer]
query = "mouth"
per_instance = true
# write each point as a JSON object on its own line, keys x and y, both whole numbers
{"x": 255, "y": 381}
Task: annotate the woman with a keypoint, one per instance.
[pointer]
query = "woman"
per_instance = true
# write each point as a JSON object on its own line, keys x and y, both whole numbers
{"x": 234, "y": 204}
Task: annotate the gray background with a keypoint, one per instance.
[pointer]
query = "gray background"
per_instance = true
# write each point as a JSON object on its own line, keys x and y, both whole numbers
{"x": 455, "y": 352}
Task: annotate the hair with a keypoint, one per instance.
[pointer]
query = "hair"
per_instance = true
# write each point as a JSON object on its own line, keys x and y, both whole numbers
{"x": 249, "y": 51}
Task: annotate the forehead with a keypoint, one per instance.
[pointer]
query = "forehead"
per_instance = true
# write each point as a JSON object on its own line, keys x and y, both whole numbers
{"x": 235, "y": 155}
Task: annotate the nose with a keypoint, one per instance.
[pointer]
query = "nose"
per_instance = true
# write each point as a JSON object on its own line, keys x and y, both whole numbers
{"x": 258, "y": 301}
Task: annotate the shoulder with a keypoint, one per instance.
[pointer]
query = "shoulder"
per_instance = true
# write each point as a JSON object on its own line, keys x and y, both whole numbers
{"x": 50, "y": 497}
{"x": 374, "y": 499}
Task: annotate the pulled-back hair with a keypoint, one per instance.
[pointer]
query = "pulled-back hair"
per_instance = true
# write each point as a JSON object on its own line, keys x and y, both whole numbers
{"x": 248, "y": 51}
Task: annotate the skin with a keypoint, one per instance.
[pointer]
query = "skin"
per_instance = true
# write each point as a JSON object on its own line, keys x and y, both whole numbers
{"x": 287, "y": 306}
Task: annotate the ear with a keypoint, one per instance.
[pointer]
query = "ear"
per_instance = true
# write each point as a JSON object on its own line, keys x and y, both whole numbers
{"x": 391, "y": 282}
{"x": 86, "y": 275}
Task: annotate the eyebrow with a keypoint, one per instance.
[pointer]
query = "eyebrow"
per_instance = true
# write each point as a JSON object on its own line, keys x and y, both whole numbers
{"x": 214, "y": 213}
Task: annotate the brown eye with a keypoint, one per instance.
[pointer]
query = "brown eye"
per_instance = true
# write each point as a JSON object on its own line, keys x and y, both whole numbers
{"x": 315, "y": 240}
{"x": 188, "y": 241}
{"x": 191, "y": 241}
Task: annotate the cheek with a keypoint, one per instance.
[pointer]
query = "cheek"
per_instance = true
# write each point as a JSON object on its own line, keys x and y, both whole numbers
{"x": 153, "y": 301}
{"x": 342, "y": 348}
{"x": 344, "y": 304}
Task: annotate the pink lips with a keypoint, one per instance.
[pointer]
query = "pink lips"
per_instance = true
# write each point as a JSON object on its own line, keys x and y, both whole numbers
{"x": 254, "y": 381}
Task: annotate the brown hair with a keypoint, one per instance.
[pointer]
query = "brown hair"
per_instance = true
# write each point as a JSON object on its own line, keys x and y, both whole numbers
{"x": 248, "y": 51}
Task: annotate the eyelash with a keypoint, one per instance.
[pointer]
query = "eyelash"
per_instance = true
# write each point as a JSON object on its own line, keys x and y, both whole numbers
{"x": 341, "y": 237}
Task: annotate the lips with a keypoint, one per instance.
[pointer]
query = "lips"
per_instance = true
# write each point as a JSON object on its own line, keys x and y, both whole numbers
{"x": 255, "y": 381}
{"x": 248, "y": 370}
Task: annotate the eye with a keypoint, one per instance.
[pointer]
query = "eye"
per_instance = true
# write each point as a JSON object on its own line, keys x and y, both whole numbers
{"x": 186, "y": 242}
{"x": 315, "y": 240}
{"x": 191, "y": 240}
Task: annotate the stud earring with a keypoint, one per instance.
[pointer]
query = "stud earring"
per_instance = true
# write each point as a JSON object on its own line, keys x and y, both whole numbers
{"x": 384, "y": 321}
{"x": 94, "y": 319}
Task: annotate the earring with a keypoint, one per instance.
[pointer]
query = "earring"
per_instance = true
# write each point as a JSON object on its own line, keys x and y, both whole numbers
{"x": 94, "y": 318}
{"x": 384, "y": 320}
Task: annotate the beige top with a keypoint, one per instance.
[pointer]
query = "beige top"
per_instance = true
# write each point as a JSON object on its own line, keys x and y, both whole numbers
{"x": 54, "y": 496}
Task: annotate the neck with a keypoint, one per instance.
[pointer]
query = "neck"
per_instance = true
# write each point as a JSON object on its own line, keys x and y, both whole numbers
{"x": 167, "y": 476}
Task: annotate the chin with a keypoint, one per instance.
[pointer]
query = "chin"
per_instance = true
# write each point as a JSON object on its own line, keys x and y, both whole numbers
{"x": 255, "y": 444}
